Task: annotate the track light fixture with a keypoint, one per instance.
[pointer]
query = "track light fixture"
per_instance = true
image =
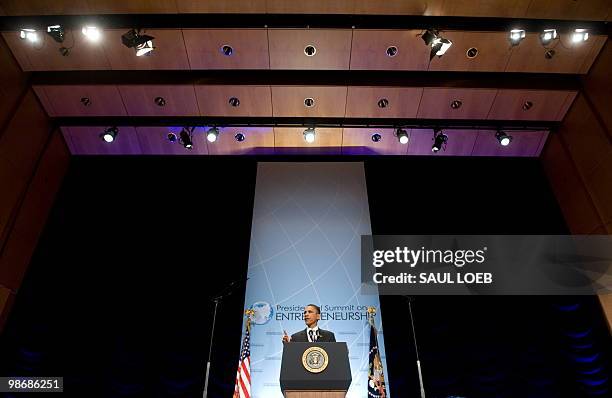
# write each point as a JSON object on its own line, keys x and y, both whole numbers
{"x": 212, "y": 134}
{"x": 503, "y": 138}
{"x": 56, "y": 32}
{"x": 402, "y": 136}
{"x": 92, "y": 33}
{"x": 30, "y": 35}
{"x": 516, "y": 36}
{"x": 438, "y": 44}
{"x": 580, "y": 35}
{"x": 309, "y": 135}
{"x": 186, "y": 137}
{"x": 109, "y": 134}
{"x": 440, "y": 139}
{"x": 547, "y": 36}
{"x": 142, "y": 44}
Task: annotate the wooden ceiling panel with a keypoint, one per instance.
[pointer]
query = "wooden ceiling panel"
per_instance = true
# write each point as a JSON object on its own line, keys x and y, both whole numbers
{"x": 524, "y": 144}
{"x": 87, "y": 141}
{"x": 493, "y": 52}
{"x": 531, "y": 105}
{"x": 485, "y": 8}
{"x": 291, "y": 140}
{"x": 132, "y": 7}
{"x": 287, "y": 48}
{"x": 154, "y": 141}
{"x": 592, "y": 10}
{"x": 176, "y": 100}
{"x": 44, "y": 55}
{"x": 222, "y": 7}
{"x": 289, "y": 101}
{"x": 249, "y": 48}
{"x": 217, "y": 100}
{"x": 358, "y": 141}
{"x": 98, "y": 100}
{"x": 368, "y": 102}
{"x": 529, "y": 55}
{"x": 46, "y": 7}
{"x": 169, "y": 51}
{"x": 398, "y": 7}
{"x": 310, "y": 7}
{"x": 460, "y": 142}
{"x": 257, "y": 140}
{"x": 437, "y": 103}
{"x": 369, "y": 50}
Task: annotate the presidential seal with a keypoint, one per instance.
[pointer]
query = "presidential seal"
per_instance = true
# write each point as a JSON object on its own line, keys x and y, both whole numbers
{"x": 315, "y": 359}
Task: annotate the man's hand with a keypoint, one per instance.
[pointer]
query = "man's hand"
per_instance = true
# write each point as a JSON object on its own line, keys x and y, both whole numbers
{"x": 286, "y": 337}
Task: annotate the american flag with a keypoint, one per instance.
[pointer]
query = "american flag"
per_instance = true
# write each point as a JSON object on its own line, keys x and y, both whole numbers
{"x": 242, "y": 389}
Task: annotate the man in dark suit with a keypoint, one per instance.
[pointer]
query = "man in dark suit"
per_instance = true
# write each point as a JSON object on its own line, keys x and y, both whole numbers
{"x": 312, "y": 333}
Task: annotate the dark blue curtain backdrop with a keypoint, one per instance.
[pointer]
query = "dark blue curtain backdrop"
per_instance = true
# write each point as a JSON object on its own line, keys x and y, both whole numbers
{"x": 117, "y": 298}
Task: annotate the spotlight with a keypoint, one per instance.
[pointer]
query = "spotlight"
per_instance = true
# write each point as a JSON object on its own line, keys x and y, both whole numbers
{"x": 56, "y": 32}
{"x": 402, "y": 136}
{"x": 212, "y": 134}
{"x": 28, "y": 34}
{"x": 143, "y": 44}
{"x": 580, "y": 35}
{"x": 186, "y": 138}
{"x": 440, "y": 139}
{"x": 503, "y": 138}
{"x": 439, "y": 45}
{"x": 309, "y": 135}
{"x": 109, "y": 134}
{"x": 516, "y": 36}
{"x": 547, "y": 36}
{"x": 92, "y": 33}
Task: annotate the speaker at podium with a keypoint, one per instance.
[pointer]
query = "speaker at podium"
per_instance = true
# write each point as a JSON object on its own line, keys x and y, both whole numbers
{"x": 315, "y": 370}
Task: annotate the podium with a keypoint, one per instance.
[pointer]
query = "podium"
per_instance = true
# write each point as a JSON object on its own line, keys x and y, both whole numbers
{"x": 297, "y": 381}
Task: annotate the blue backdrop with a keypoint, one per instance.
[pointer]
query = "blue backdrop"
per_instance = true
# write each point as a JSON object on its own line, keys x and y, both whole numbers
{"x": 305, "y": 248}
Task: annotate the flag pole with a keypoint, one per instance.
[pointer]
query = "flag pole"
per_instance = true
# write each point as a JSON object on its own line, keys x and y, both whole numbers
{"x": 416, "y": 348}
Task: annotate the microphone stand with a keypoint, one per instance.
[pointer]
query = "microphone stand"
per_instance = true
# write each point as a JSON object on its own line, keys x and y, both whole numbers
{"x": 228, "y": 291}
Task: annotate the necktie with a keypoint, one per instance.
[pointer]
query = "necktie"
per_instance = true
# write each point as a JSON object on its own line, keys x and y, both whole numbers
{"x": 311, "y": 334}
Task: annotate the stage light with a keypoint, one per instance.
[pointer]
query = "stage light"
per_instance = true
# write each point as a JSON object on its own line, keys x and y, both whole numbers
{"x": 309, "y": 135}
{"x": 56, "y": 32}
{"x": 440, "y": 139}
{"x": 143, "y": 44}
{"x": 503, "y": 138}
{"x": 212, "y": 134}
{"x": 547, "y": 36}
{"x": 580, "y": 35}
{"x": 402, "y": 136}
{"x": 30, "y": 35}
{"x": 185, "y": 139}
{"x": 92, "y": 33}
{"x": 438, "y": 44}
{"x": 516, "y": 36}
{"x": 110, "y": 134}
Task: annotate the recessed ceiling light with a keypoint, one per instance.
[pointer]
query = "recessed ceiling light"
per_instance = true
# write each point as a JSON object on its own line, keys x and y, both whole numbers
{"x": 227, "y": 50}
{"x": 310, "y": 50}
{"x": 309, "y": 102}
{"x": 234, "y": 102}
{"x": 239, "y": 137}
{"x": 92, "y": 33}
{"x": 376, "y": 137}
{"x": 160, "y": 101}
{"x": 85, "y": 101}
{"x": 456, "y": 104}
{"x": 471, "y": 53}
{"x": 383, "y": 103}
{"x": 171, "y": 137}
{"x": 392, "y": 51}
